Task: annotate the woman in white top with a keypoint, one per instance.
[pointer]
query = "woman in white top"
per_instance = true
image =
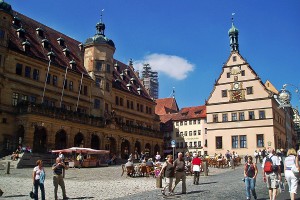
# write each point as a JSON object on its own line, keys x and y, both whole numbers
{"x": 291, "y": 161}
{"x": 38, "y": 176}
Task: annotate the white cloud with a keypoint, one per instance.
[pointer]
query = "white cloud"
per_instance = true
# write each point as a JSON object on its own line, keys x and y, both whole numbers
{"x": 172, "y": 66}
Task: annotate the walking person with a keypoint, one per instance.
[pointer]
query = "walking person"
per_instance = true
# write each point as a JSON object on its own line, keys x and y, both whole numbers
{"x": 250, "y": 174}
{"x": 38, "y": 177}
{"x": 291, "y": 161}
{"x": 179, "y": 165}
{"x": 271, "y": 173}
{"x": 168, "y": 171}
{"x": 80, "y": 160}
{"x": 196, "y": 167}
{"x": 58, "y": 177}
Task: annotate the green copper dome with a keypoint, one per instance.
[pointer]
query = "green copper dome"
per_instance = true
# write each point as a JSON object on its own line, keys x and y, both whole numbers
{"x": 233, "y": 30}
{"x": 6, "y": 7}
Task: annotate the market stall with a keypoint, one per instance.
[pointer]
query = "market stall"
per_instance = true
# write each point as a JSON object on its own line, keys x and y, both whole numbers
{"x": 92, "y": 157}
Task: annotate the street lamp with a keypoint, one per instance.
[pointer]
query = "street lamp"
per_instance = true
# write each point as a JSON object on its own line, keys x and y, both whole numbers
{"x": 284, "y": 96}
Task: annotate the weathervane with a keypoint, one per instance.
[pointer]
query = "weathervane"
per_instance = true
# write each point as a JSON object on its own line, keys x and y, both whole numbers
{"x": 101, "y": 15}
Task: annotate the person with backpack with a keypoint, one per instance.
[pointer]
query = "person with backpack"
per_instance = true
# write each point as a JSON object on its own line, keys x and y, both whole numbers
{"x": 179, "y": 165}
{"x": 271, "y": 173}
{"x": 250, "y": 173}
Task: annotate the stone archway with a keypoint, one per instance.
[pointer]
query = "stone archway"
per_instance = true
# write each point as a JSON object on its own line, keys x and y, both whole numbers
{"x": 61, "y": 139}
{"x": 95, "y": 142}
{"x": 137, "y": 150}
{"x": 79, "y": 140}
{"x": 156, "y": 149}
{"x": 40, "y": 140}
{"x": 20, "y": 135}
{"x": 148, "y": 152}
{"x": 125, "y": 146}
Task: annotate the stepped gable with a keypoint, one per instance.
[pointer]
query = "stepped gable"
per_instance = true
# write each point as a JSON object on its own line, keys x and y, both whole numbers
{"x": 195, "y": 112}
{"x": 166, "y": 106}
{"x": 36, "y": 47}
{"x": 121, "y": 82}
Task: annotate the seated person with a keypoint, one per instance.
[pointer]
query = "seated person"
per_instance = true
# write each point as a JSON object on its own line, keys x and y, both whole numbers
{"x": 112, "y": 160}
{"x": 150, "y": 163}
{"x": 143, "y": 163}
{"x": 14, "y": 156}
{"x": 129, "y": 163}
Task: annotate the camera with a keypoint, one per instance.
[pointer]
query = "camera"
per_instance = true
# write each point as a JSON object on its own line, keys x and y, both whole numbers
{"x": 243, "y": 179}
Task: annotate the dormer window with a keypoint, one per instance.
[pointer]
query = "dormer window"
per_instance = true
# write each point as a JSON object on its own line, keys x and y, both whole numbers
{"x": 21, "y": 32}
{"x": 127, "y": 72}
{"x": 45, "y": 43}
{"x": 133, "y": 81}
{"x": 117, "y": 67}
{"x": 17, "y": 21}
{"x": 129, "y": 86}
{"x": 61, "y": 41}
{"x": 81, "y": 46}
{"x": 66, "y": 51}
{"x": 139, "y": 90}
{"x": 122, "y": 75}
{"x": 40, "y": 32}
{"x": 73, "y": 64}
{"x": 26, "y": 45}
{"x": 51, "y": 55}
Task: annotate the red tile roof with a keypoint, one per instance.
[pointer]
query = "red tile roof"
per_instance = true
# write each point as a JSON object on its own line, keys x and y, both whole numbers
{"x": 37, "y": 51}
{"x": 166, "y": 106}
{"x": 195, "y": 112}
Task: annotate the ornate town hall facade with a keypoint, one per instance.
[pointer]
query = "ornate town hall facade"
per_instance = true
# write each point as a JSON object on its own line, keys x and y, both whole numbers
{"x": 56, "y": 92}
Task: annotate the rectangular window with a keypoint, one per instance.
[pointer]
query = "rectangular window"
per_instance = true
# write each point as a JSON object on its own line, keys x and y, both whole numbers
{"x": 28, "y": 72}
{"x": 185, "y": 133}
{"x": 262, "y": 114}
{"x": 251, "y": 115}
{"x": 234, "y": 142}
{"x": 181, "y": 134}
{"x": 224, "y": 93}
{"x": 190, "y": 133}
{"x": 108, "y": 68}
{"x": 199, "y": 121}
{"x": 32, "y": 99}
{"x": 19, "y": 68}
{"x": 233, "y": 117}
{"x": 181, "y": 123}
{"x": 54, "y": 80}
{"x": 243, "y": 73}
{"x": 195, "y": 144}
{"x": 190, "y": 122}
{"x": 241, "y": 116}
{"x": 234, "y": 58}
{"x": 177, "y": 134}
{"x": 71, "y": 85}
{"x": 131, "y": 106}
{"x": 2, "y": 33}
{"x": 195, "y": 132}
{"x": 85, "y": 90}
{"x": 177, "y": 123}
{"x": 260, "y": 140}
{"x": 36, "y": 74}
{"x": 228, "y": 74}
{"x": 194, "y": 121}
{"x": 219, "y": 143}
{"x": 215, "y": 118}
{"x": 128, "y": 104}
{"x": 98, "y": 81}
{"x": 185, "y": 122}
{"x": 24, "y": 97}
{"x": 205, "y": 130}
{"x": 249, "y": 90}
{"x": 199, "y": 143}
{"x": 107, "y": 87}
{"x": 191, "y": 144}
{"x": 243, "y": 141}
{"x": 15, "y": 99}
{"x": 224, "y": 117}
{"x": 66, "y": 84}
{"x": 48, "y": 78}
{"x": 96, "y": 103}
{"x": 98, "y": 66}
{"x": 199, "y": 132}
{"x": 205, "y": 144}
{"x": 142, "y": 108}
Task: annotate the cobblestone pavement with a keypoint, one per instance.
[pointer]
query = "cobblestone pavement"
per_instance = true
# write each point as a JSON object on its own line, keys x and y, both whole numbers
{"x": 107, "y": 183}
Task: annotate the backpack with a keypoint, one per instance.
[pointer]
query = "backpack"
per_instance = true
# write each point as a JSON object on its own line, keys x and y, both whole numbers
{"x": 268, "y": 167}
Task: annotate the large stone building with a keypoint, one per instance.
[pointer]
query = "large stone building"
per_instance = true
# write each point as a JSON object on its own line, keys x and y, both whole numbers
{"x": 56, "y": 92}
{"x": 242, "y": 113}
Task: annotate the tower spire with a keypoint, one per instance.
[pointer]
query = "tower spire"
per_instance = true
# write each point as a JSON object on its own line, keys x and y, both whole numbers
{"x": 100, "y": 26}
{"x": 233, "y": 36}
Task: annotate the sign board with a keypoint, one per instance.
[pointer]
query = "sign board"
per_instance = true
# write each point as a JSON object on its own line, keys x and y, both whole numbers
{"x": 173, "y": 143}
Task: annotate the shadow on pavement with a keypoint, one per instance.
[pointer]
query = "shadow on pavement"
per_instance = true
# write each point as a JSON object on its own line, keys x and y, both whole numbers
{"x": 82, "y": 198}
{"x": 11, "y": 196}
{"x": 208, "y": 183}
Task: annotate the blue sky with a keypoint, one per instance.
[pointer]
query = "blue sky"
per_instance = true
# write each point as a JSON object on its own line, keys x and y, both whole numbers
{"x": 185, "y": 41}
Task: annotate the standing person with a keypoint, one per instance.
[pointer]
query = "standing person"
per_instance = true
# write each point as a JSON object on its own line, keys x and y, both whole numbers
{"x": 38, "y": 177}
{"x": 250, "y": 173}
{"x": 168, "y": 170}
{"x": 271, "y": 173}
{"x": 80, "y": 160}
{"x": 62, "y": 157}
{"x": 291, "y": 161}
{"x": 179, "y": 165}
{"x": 196, "y": 167}
{"x": 158, "y": 157}
{"x": 58, "y": 177}
{"x": 256, "y": 156}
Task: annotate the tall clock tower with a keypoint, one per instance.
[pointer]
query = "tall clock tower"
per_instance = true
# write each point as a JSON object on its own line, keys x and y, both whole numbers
{"x": 242, "y": 113}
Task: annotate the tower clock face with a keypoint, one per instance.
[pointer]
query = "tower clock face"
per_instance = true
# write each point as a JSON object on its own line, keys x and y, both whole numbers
{"x": 236, "y": 86}
{"x": 236, "y": 95}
